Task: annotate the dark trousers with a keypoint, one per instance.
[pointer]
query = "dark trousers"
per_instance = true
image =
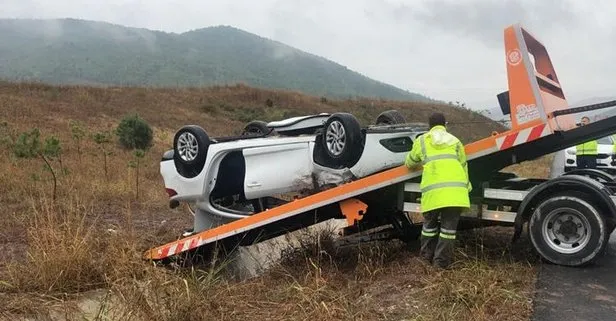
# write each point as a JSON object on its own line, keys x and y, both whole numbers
{"x": 586, "y": 161}
{"x": 438, "y": 241}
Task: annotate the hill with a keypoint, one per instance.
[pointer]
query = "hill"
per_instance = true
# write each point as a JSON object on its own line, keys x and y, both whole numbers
{"x": 70, "y": 51}
{"x": 85, "y": 245}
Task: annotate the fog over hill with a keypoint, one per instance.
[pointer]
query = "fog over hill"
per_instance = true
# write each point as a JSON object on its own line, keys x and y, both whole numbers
{"x": 70, "y": 51}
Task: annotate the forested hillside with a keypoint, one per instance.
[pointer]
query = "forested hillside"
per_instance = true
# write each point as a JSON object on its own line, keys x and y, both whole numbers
{"x": 69, "y": 51}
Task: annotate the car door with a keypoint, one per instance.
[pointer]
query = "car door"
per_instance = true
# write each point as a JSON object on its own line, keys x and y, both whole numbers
{"x": 277, "y": 169}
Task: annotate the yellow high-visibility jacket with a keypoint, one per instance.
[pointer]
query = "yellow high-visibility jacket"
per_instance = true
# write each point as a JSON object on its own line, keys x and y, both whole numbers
{"x": 444, "y": 181}
{"x": 587, "y": 148}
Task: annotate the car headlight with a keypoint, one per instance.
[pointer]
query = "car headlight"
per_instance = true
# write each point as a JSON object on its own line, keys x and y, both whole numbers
{"x": 570, "y": 151}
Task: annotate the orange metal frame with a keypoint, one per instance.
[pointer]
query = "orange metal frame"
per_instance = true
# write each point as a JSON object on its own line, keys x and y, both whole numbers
{"x": 534, "y": 92}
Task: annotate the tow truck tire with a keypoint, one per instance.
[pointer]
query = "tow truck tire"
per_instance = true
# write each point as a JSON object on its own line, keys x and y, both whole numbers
{"x": 190, "y": 146}
{"x": 390, "y": 117}
{"x": 566, "y": 229}
{"x": 342, "y": 140}
{"x": 595, "y": 174}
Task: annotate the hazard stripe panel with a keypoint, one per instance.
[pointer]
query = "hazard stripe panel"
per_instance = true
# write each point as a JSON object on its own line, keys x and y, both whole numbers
{"x": 522, "y": 136}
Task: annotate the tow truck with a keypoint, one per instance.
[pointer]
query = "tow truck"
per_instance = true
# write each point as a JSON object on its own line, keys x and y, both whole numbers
{"x": 569, "y": 217}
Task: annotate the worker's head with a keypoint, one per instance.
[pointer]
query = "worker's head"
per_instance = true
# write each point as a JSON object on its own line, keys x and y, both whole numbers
{"x": 437, "y": 119}
{"x": 585, "y": 120}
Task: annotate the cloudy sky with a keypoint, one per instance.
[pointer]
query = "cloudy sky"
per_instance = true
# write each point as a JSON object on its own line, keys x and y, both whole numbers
{"x": 446, "y": 49}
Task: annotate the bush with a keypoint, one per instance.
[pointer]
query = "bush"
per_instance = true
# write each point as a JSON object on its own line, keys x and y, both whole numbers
{"x": 134, "y": 133}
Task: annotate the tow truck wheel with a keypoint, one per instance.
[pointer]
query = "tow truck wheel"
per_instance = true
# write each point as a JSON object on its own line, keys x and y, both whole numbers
{"x": 595, "y": 174}
{"x": 390, "y": 117}
{"x": 342, "y": 140}
{"x": 190, "y": 146}
{"x": 567, "y": 230}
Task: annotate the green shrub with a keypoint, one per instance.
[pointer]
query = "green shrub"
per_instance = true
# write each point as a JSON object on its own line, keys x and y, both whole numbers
{"x": 29, "y": 145}
{"x": 134, "y": 133}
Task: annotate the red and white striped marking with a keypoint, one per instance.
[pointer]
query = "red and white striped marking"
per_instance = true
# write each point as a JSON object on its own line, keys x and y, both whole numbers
{"x": 188, "y": 243}
{"x": 522, "y": 136}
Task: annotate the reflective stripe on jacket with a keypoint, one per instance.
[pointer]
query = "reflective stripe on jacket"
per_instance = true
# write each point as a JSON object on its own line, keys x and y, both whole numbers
{"x": 587, "y": 148}
{"x": 444, "y": 181}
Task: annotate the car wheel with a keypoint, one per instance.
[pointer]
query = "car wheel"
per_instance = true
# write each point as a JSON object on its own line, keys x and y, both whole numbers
{"x": 341, "y": 140}
{"x": 256, "y": 127}
{"x": 390, "y": 117}
{"x": 190, "y": 146}
{"x": 566, "y": 229}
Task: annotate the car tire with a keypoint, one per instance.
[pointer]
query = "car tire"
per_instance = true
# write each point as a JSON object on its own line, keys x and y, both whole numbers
{"x": 190, "y": 146}
{"x": 256, "y": 127}
{"x": 390, "y": 117}
{"x": 581, "y": 220}
{"x": 341, "y": 140}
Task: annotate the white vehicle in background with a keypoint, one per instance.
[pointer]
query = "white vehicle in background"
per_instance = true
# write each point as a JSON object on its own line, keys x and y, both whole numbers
{"x": 234, "y": 177}
{"x": 605, "y": 146}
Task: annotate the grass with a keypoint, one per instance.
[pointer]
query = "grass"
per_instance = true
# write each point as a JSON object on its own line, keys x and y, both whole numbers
{"x": 538, "y": 168}
{"x": 82, "y": 252}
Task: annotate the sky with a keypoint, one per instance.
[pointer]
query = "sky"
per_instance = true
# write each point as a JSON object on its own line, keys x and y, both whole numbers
{"x": 448, "y": 50}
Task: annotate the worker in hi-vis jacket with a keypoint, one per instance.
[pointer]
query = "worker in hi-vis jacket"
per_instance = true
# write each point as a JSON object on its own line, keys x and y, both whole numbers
{"x": 586, "y": 153}
{"x": 445, "y": 188}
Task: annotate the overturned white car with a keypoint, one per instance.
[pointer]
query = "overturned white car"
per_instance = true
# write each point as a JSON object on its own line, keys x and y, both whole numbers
{"x": 233, "y": 177}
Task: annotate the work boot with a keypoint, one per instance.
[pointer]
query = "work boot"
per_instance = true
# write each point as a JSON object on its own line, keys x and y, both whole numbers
{"x": 429, "y": 235}
{"x": 441, "y": 264}
{"x": 428, "y": 245}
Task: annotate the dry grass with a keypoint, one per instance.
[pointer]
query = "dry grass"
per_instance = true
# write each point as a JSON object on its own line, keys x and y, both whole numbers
{"x": 91, "y": 238}
{"x": 538, "y": 168}
{"x": 221, "y": 110}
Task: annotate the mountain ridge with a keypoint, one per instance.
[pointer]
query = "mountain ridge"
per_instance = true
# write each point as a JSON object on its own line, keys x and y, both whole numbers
{"x": 76, "y": 51}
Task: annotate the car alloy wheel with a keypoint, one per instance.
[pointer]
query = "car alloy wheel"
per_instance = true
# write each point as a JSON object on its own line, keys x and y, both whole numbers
{"x": 340, "y": 143}
{"x": 335, "y": 138}
{"x": 188, "y": 147}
